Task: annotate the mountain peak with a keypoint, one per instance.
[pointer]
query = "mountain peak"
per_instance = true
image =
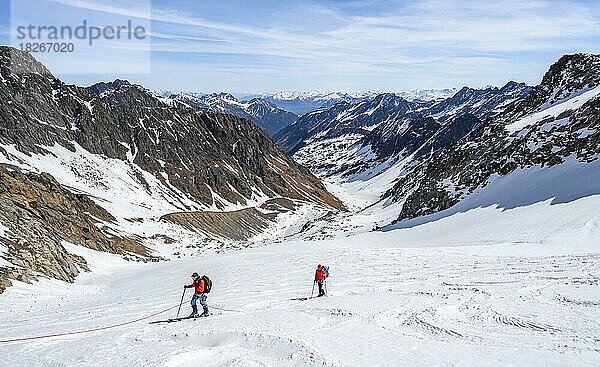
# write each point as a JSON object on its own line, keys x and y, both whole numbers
{"x": 572, "y": 72}
{"x": 512, "y": 85}
{"x": 15, "y": 61}
{"x": 390, "y": 98}
{"x": 261, "y": 101}
{"x": 115, "y": 85}
{"x": 226, "y": 96}
{"x": 569, "y": 76}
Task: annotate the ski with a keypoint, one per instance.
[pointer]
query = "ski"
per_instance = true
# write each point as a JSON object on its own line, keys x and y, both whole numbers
{"x": 177, "y": 319}
{"x": 303, "y": 298}
{"x": 183, "y": 318}
{"x": 170, "y": 320}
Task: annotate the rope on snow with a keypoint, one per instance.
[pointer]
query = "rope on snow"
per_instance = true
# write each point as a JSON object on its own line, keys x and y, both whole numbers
{"x": 100, "y": 328}
{"x": 87, "y": 330}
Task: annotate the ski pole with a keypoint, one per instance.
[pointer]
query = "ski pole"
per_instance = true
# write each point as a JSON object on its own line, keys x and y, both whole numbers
{"x": 313, "y": 289}
{"x": 325, "y": 287}
{"x": 180, "y": 303}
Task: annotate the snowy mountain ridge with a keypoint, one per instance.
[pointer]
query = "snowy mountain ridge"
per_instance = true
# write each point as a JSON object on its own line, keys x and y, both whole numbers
{"x": 308, "y": 101}
{"x": 260, "y": 111}
{"x": 297, "y": 102}
{"x": 420, "y": 94}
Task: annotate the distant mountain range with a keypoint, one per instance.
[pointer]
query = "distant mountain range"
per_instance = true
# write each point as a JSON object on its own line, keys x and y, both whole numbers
{"x": 381, "y": 118}
{"x": 258, "y": 110}
{"x": 301, "y": 103}
{"x": 297, "y": 103}
{"x": 273, "y": 112}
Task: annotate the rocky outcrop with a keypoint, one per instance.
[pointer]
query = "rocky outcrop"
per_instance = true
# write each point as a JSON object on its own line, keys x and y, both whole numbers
{"x": 39, "y": 214}
{"x": 570, "y": 75}
{"x": 237, "y": 225}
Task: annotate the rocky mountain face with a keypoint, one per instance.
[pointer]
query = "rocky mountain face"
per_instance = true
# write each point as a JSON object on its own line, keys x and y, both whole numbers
{"x": 559, "y": 119}
{"x": 428, "y": 128}
{"x": 37, "y": 214}
{"x": 213, "y": 158}
{"x": 262, "y": 112}
{"x": 125, "y": 148}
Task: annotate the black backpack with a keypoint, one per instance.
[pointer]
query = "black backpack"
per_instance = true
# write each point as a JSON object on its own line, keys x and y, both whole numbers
{"x": 207, "y": 284}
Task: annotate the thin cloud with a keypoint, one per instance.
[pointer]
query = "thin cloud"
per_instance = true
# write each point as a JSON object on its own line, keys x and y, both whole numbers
{"x": 456, "y": 37}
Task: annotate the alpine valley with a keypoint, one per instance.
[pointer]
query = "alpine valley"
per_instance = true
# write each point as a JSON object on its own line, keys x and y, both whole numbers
{"x": 460, "y": 225}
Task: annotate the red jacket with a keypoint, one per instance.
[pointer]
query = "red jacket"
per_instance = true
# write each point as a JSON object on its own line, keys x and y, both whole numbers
{"x": 198, "y": 284}
{"x": 319, "y": 274}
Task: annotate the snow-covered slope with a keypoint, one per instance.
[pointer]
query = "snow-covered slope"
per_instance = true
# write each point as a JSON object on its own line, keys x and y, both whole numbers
{"x": 116, "y": 184}
{"x": 525, "y": 296}
{"x": 558, "y": 107}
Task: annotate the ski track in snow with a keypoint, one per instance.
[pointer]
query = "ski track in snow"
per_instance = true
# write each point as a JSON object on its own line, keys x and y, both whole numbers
{"x": 387, "y": 306}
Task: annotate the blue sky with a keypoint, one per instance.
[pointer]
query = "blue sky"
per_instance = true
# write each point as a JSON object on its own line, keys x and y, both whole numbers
{"x": 266, "y": 46}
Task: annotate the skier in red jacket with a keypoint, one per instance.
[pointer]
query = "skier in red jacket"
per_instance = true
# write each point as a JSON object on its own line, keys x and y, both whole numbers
{"x": 320, "y": 276}
{"x": 199, "y": 295}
